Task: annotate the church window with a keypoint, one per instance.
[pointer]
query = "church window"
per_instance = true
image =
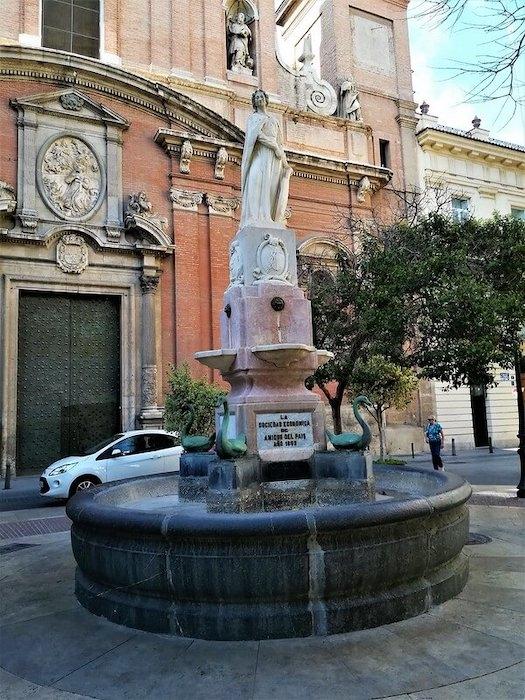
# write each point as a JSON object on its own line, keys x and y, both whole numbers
{"x": 72, "y": 25}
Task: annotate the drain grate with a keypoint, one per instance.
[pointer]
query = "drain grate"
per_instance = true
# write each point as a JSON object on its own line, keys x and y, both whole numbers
{"x": 14, "y": 547}
{"x": 478, "y": 538}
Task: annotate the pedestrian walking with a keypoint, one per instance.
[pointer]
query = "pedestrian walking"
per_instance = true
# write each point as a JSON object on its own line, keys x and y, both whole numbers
{"x": 435, "y": 438}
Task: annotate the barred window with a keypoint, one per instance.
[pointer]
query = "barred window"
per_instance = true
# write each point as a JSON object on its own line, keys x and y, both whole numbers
{"x": 71, "y": 25}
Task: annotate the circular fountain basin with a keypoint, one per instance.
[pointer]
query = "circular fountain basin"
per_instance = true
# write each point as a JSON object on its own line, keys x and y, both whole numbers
{"x": 149, "y": 561}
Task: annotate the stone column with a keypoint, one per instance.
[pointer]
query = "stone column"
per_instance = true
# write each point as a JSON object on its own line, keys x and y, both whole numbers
{"x": 150, "y": 415}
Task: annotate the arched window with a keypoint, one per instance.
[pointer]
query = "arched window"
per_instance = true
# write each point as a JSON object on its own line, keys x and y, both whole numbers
{"x": 72, "y": 25}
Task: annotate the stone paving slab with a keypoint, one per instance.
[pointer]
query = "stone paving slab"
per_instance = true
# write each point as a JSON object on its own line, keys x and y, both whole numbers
{"x": 36, "y": 526}
{"x": 471, "y": 647}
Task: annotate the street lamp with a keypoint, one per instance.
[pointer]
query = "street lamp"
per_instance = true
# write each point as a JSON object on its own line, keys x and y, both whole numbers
{"x": 521, "y": 420}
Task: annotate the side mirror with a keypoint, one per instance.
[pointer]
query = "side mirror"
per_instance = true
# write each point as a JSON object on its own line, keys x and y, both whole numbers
{"x": 116, "y": 452}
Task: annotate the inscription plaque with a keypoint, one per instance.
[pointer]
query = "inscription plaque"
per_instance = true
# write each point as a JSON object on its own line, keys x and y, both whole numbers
{"x": 284, "y": 431}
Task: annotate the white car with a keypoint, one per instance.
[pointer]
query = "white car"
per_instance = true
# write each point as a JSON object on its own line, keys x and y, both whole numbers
{"x": 134, "y": 453}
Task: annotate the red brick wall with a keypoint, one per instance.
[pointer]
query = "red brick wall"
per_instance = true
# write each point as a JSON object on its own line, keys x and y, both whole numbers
{"x": 194, "y": 279}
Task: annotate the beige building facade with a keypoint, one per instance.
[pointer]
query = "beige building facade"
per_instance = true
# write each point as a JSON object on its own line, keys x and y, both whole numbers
{"x": 474, "y": 175}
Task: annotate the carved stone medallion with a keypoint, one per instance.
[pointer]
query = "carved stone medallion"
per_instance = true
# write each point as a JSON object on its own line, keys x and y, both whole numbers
{"x": 71, "y": 180}
{"x": 71, "y": 101}
{"x": 272, "y": 261}
{"x": 72, "y": 253}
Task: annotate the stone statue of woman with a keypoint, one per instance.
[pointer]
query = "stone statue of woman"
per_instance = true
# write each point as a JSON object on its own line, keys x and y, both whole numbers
{"x": 350, "y": 107}
{"x": 265, "y": 172}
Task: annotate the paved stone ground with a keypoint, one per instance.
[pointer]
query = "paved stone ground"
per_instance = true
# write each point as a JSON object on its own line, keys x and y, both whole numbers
{"x": 472, "y": 647}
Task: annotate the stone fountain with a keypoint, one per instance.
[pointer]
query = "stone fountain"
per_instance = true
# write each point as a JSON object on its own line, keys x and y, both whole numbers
{"x": 284, "y": 537}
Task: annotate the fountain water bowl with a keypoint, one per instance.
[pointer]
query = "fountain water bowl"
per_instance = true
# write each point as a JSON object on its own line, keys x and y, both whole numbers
{"x": 150, "y": 561}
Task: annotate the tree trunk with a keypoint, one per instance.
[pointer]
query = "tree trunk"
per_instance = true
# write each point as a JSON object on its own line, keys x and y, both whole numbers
{"x": 382, "y": 440}
{"x": 335, "y": 405}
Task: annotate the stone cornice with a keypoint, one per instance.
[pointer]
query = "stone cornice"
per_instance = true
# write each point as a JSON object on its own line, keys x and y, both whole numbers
{"x": 97, "y": 237}
{"x": 47, "y": 65}
{"x": 460, "y": 181}
{"x": 469, "y": 149}
{"x": 305, "y": 165}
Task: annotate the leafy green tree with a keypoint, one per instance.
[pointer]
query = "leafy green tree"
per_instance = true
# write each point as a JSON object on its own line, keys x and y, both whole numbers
{"x": 471, "y": 296}
{"x": 386, "y": 385}
{"x": 200, "y": 393}
{"x": 443, "y": 296}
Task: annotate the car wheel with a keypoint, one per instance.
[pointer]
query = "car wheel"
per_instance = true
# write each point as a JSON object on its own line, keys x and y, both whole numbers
{"x": 82, "y": 484}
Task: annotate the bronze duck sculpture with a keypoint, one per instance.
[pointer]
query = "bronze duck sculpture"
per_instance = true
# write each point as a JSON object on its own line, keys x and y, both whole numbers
{"x": 353, "y": 441}
{"x": 194, "y": 443}
{"x": 229, "y": 448}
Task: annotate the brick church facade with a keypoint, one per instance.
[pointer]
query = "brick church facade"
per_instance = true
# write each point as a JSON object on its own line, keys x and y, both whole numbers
{"x": 120, "y": 146}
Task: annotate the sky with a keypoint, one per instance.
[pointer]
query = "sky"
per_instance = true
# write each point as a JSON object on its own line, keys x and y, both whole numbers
{"x": 435, "y": 47}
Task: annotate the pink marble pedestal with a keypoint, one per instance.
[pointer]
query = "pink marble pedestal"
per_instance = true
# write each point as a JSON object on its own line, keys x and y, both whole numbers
{"x": 267, "y": 354}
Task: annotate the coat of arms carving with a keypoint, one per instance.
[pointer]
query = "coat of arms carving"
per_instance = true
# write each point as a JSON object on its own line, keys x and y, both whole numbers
{"x": 272, "y": 260}
{"x": 72, "y": 253}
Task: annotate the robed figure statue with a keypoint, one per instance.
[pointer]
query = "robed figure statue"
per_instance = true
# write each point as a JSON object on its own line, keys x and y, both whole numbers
{"x": 265, "y": 172}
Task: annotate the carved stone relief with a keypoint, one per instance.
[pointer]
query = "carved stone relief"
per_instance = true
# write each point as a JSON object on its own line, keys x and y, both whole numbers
{"x": 72, "y": 253}
{"x": 149, "y": 283}
{"x": 318, "y": 95}
{"x": 364, "y": 187}
{"x": 185, "y": 199}
{"x": 220, "y": 163}
{"x": 186, "y": 153}
{"x": 149, "y": 385}
{"x": 71, "y": 101}
{"x": 70, "y": 178}
{"x": 140, "y": 211}
{"x": 218, "y": 204}
{"x": 236, "y": 268}
{"x": 7, "y": 198}
{"x": 272, "y": 260}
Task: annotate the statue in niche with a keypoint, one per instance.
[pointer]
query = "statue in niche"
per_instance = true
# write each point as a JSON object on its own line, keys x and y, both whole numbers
{"x": 265, "y": 172}
{"x": 349, "y": 102}
{"x": 239, "y": 35}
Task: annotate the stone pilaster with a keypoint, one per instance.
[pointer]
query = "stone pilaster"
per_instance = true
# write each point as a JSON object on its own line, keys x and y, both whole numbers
{"x": 150, "y": 415}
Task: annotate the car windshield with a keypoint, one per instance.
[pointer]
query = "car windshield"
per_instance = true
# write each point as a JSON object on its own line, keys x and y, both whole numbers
{"x": 101, "y": 445}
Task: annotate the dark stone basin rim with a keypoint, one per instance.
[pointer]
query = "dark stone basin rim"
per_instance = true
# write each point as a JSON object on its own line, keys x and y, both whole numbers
{"x": 96, "y": 508}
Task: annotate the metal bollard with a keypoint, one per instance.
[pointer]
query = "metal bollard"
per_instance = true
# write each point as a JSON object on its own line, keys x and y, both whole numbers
{"x": 491, "y": 449}
{"x": 412, "y": 448}
{"x": 453, "y": 447}
{"x": 7, "y": 482}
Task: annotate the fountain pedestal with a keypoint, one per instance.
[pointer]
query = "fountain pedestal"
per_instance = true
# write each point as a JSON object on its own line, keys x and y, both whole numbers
{"x": 268, "y": 353}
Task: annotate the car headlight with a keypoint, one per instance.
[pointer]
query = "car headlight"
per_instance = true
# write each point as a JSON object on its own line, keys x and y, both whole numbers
{"x": 62, "y": 468}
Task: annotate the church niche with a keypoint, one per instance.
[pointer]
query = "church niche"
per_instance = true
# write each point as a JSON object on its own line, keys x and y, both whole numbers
{"x": 241, "y": 16}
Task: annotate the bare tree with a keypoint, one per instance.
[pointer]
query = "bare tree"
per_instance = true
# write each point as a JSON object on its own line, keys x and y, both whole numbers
{"x": 496, "y": 72}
